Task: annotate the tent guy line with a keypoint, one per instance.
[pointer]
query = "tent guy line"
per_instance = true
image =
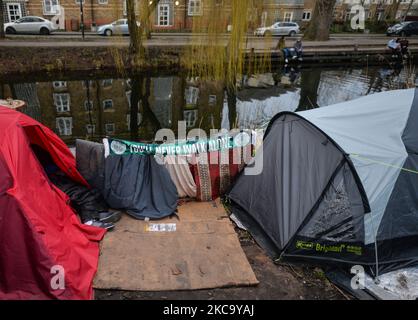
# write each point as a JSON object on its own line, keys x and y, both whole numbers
{"x": 383, "y": 163}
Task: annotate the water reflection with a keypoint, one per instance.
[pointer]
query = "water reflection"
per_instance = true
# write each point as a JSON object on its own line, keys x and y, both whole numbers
{"x": 136, "y": 108}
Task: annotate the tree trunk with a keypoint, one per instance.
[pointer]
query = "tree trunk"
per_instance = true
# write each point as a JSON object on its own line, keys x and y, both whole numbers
{"x": 2, "y": 35}
{"x": 318, "y": 28}
{"x": 232, "y": 106}
{"x": 134, "y": 31}
{"x": 136, "y": 88}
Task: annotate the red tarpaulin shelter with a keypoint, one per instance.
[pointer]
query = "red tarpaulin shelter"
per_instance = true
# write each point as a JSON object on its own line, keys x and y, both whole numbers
{"x": 39, "y": 231}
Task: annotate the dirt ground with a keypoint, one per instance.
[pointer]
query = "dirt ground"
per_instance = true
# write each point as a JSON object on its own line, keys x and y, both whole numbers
{"x": 277, "y": 282}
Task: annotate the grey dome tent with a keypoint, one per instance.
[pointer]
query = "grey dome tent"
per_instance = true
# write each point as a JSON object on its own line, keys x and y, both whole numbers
{"x": 339, "y": 184}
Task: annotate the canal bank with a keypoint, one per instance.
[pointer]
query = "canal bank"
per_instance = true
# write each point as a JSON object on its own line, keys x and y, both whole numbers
{"x": 164, "y": 55}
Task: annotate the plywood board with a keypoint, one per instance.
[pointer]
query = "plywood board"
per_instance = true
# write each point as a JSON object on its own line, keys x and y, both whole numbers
{"x": 200, "y": 250}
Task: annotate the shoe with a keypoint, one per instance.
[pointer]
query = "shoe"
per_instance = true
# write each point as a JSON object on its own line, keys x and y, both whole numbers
{"x": 286, "y": 60}
{"x": 100, "y": 224}
{"x": 109, "y": 216}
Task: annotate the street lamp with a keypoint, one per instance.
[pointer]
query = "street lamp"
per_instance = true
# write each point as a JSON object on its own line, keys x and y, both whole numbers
{"x": 82, "y": 18}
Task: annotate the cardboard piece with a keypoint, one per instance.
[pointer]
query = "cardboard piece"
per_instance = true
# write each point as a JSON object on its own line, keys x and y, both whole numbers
{"x": 202, "y": 251}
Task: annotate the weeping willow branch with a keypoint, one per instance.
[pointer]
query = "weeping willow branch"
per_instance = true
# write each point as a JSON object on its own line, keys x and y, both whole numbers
{"x": 213, "y": 57}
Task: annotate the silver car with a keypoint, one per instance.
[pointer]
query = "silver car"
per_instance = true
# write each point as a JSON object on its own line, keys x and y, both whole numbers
{"x": 30, "y": 25}
{"x": 118, "y": 27}
{"x": 279, "y": 29}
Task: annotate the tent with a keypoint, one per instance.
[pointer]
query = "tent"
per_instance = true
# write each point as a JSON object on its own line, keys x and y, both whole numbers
{"x": 45, "y": 253}
{"x": 339, "y": 184}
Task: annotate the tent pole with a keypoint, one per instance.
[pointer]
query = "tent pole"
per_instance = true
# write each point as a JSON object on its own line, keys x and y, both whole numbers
{"x": 376, "y": 278}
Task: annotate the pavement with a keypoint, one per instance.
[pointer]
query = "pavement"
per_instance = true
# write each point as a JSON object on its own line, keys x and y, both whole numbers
{"x": 337, "y": 42}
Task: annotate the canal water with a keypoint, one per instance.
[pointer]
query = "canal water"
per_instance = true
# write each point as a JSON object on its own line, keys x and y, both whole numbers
{"x": 95, "y": 107}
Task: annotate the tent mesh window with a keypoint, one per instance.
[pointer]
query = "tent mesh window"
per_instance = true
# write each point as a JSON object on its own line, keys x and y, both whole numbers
{"x": 333, "y": 220}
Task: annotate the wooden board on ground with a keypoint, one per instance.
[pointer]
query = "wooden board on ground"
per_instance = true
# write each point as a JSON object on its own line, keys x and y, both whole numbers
{"x": 198, "y": 251}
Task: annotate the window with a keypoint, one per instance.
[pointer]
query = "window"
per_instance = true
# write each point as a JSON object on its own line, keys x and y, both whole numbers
{"x": 107, "y": 83}
{"x": 88, "y": 105}
{"x": 212, "y": 100}
{"x": 78, "y": 2}
{"x": 59, "y": 84}
{"x": 62, "y": 102}
{"x": 195, "y": 8}
{"x": 108, "y": 104}
{"x": 276, "y": 15}
{"x": 288, "y": 16}
{"x": 64, "y": 126}
{"x": 103, "y": 1}
{"x": 51, "y": 7}
{"x": 121, "y": 22}
{"x": 163, "y": 15}
{"x": 190, "y": 116}
{"x": 26, "y": 20}
{"x": 14, "y": 11}
{"x": 90, "y": 128}
{"x": 110, "y": 128}
{"x": 191, "y": 95}
{"x": 306, "y": 16}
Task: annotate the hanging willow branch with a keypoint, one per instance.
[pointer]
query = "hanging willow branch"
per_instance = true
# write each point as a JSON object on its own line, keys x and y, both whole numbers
{"x": 213, "y": 57}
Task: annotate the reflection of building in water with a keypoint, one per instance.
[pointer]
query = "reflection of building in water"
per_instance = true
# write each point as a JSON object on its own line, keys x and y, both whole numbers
{"x": 96, "y": 108}
{"x": 255, "y": 109}
{"x": 203, "y": 105}
{"x": 84, "y": 109}
{"x": 162, "y": 104}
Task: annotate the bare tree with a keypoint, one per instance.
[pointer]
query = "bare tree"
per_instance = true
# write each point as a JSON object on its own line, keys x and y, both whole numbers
{"x": 408, "y": 9}
{"x": 2, "y": 35}
{"x": 318, "y": 28}
{"x": 391, "y": 10}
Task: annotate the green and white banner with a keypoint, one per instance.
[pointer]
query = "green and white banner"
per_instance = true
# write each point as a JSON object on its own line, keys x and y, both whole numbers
{"x": 123, "y": 147}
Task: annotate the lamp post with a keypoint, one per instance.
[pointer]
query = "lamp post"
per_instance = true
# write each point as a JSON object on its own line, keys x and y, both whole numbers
{"x": 185, "y": 15}
{"x": 82, "y": 18}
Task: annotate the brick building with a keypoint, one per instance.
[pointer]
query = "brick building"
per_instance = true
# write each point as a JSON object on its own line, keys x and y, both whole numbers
{"x": 168, "y": 15}
{"x": 96, "y": 12}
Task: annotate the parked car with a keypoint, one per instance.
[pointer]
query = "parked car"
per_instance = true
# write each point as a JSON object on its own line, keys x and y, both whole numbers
{"x": 403, "y": 29}
{"x": 118, "y": 27}
{"x": 279, "y": 29}
{"x": 30, "y": 25}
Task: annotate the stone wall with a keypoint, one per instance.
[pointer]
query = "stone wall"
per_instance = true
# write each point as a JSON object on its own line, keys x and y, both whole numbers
{"x": 33, "y": 60}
